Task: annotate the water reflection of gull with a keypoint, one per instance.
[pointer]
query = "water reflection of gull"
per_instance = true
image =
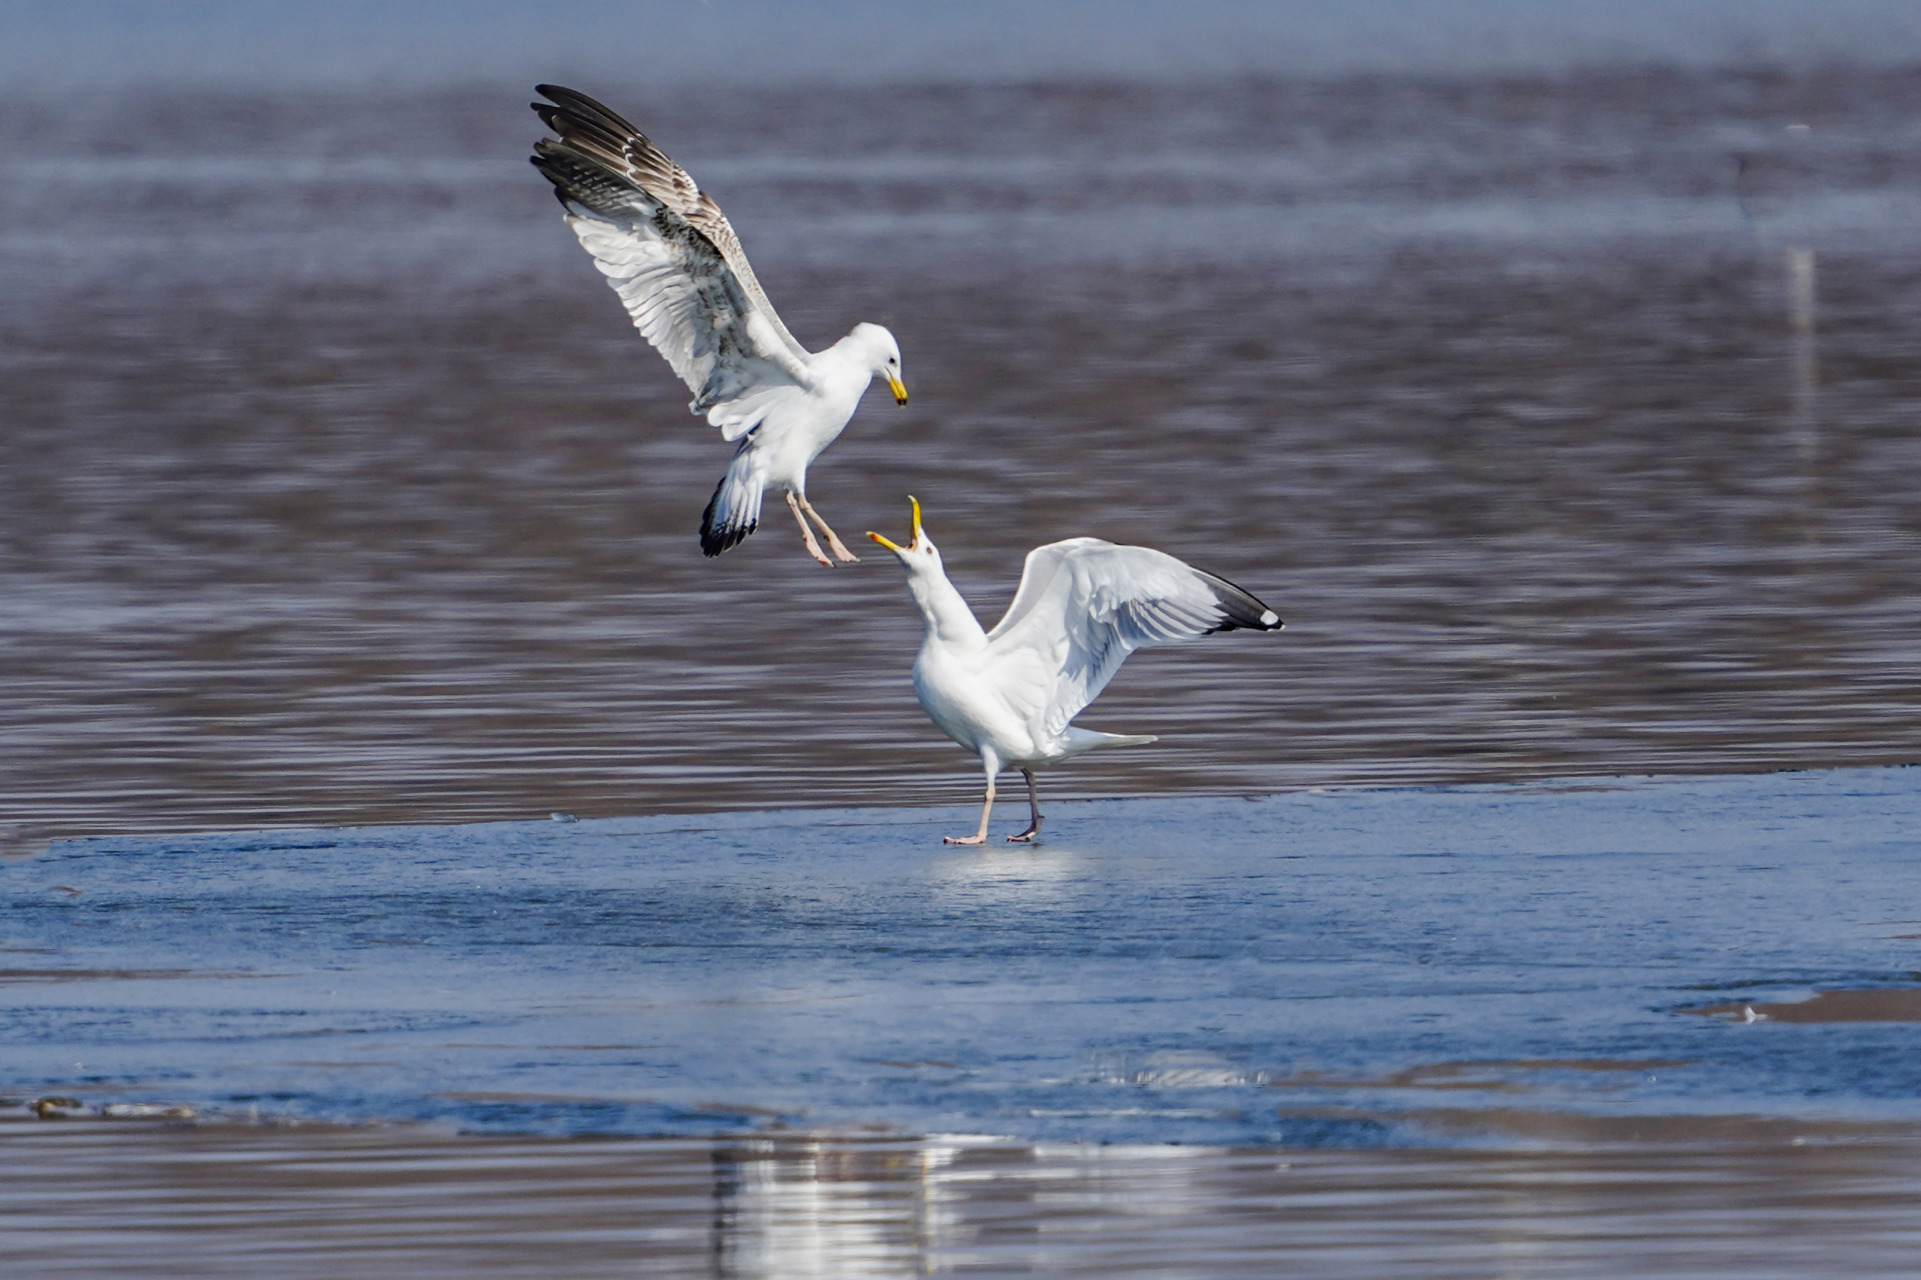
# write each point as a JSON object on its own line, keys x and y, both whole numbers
{"x": 674, "y": 259}
{"x": 806, "y": 1207}
{"x": 1010, "y": 876}
{"x": 814, "y": 1209}
{"x": 1082, "y": 606}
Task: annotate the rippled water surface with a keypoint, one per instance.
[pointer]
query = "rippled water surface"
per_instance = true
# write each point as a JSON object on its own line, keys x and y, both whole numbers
{"x": 1655, "y": 1027}
{"x": 334, "y": 486}
{"x": 1329, "y": 968}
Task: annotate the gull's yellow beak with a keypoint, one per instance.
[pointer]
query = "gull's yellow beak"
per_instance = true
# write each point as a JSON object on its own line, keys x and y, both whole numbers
{"x": 894, "y": 385}
{"x": 890, "y": 544}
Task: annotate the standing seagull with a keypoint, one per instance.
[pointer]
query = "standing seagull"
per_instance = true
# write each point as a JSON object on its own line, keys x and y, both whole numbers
{"x": 670, "y": 254}
{"x": 1083, "y": 605}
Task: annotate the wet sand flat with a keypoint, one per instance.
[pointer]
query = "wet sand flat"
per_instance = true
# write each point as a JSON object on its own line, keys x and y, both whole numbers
{"x": 1751, "y": 1202}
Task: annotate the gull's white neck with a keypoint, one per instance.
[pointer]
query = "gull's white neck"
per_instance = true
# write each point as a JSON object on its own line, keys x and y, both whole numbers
{"x": 850, "y": 360}
{"x": 949, "y": 620}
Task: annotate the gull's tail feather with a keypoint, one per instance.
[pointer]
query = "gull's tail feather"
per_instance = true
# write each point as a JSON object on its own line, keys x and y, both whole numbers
{"x": 734, "y": 510}
{"x": 1239, "y": 608}
{"x": 1079, "y": 739}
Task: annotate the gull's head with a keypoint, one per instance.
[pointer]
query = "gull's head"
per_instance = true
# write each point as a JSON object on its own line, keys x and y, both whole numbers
{"x": 920, "y": 555}
{"x": 884, "y": 353}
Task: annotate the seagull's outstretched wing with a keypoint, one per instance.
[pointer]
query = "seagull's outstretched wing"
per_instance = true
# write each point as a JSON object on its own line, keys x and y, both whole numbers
{"x": 1085, "y": 604}
{"x": 670, "y": 254}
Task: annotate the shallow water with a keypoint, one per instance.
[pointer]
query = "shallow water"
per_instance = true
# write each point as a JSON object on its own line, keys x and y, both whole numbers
{"x": 335, "y": 488}
{"x": 1345, "y": 968}
{"x": 1652, "y": 1026}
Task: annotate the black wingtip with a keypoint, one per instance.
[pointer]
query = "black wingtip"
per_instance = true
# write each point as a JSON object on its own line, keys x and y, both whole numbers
{"x": 582, "y": 109}
{"x": 1240, "y": 611}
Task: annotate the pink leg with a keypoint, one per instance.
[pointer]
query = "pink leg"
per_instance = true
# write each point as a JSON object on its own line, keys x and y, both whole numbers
{"x": 806, "y": 534}
{"x": 834, "y": 543}
{"x": 987, "y": 808}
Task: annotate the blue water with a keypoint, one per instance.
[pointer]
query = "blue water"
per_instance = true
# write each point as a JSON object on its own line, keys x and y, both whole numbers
{"x": 1347, "y": 967}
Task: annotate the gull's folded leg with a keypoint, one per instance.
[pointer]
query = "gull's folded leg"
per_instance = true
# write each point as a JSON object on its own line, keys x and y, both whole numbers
{"x": 979, "y": 837}
{"x": 806, "y": 534}
{"x": 834, "y": 543}
{"x": 1034, "y": 807}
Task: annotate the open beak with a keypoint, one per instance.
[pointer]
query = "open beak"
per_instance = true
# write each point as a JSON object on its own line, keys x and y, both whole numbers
{"x": 894, "y": 385}
{"x": 890, "y": 544}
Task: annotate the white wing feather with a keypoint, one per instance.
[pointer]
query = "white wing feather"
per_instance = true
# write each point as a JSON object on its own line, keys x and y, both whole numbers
{"x": 1085, "y": 604}
{"x": 691, "y": 313}
{"x": 675, "y": 261}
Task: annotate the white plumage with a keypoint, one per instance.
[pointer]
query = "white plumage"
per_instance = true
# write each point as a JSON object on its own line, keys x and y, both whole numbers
{"x": 674, "y": 259}
{"x": 1010, "y": 694}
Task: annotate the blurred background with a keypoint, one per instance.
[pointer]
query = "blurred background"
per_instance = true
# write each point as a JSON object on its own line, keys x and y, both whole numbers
{"x": 1551, "y": 369}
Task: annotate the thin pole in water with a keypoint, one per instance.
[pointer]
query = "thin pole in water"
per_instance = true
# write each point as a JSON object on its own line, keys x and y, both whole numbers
{"x": 1800, "y": 271}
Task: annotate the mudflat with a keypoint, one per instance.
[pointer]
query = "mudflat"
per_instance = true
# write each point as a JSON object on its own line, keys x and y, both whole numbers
{"x": 1754, "y": 1201}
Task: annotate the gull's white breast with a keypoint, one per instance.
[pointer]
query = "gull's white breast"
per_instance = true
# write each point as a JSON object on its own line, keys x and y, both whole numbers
{"x": 797, "y": 431}
{"x": 980, "y": 698}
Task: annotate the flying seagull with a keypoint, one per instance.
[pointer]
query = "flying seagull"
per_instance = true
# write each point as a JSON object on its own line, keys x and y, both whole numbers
{"x": 1083, "y": 605}
{"x": 669, "y": 252}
